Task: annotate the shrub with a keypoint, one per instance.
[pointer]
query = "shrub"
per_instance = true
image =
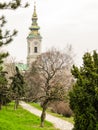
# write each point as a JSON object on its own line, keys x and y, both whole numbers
{"x": 61, "y": 107}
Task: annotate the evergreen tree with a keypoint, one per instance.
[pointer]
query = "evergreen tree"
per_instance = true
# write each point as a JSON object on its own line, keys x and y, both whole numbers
{"x": 84, "y": 96}
{"x": 6, "y": 38}
{"x": 13, "y": 4}
{"x": 3, "y": 88}
{"x": 17, "y": 87}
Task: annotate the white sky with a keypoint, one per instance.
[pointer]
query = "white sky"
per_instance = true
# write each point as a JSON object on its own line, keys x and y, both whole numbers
{"x": 62, "y": 22}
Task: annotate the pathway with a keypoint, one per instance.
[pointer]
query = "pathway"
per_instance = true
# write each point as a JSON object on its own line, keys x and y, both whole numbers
{"x": 58, "y": 123}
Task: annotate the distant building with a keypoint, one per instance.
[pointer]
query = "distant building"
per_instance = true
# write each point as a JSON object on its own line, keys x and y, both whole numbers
{"x": 33, "y": 40}
{"x": 22, "y": 67}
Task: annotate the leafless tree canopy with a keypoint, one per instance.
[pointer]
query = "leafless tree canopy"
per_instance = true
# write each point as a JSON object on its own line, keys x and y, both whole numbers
{"x": 53, "y": 68}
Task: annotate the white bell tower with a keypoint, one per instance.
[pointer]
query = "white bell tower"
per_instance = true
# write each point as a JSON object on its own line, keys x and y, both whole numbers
{"x": 33, "y": 40}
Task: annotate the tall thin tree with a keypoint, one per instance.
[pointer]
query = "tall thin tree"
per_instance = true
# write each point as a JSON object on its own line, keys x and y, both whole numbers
{"x": 17, "y": 87}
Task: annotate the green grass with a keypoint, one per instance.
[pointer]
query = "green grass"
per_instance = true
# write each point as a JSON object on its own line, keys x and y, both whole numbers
{"x": 36, "y": 105}
{"x": 20, "y": 119}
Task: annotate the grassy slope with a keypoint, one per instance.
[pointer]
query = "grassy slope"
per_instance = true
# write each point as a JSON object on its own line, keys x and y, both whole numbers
{"x": 20, "y": 120}
{"x": 54, "y": 114}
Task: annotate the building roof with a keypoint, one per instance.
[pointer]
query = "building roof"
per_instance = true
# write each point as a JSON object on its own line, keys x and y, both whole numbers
{"x": 21, "y": 66}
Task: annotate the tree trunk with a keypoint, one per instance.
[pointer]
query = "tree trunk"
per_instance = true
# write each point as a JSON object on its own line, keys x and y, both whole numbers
{"x": 0, "y": 104}
{"x": 16, "y": 104}
{"x": 43, "y": 115}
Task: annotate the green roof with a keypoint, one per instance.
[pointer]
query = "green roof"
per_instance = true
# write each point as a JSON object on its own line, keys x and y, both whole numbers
{"x": 34, "y": 36}
{"x": 22, "y": 67}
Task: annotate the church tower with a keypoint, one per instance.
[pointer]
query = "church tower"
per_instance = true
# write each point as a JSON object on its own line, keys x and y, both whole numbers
{"x": 33, "y": 40}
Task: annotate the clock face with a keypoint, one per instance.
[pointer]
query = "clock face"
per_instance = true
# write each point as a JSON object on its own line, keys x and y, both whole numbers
{"x": 35, "y": 42}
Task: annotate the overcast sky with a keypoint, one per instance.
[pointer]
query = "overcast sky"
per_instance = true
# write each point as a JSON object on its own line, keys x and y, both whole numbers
{"x": 62, "y": 22}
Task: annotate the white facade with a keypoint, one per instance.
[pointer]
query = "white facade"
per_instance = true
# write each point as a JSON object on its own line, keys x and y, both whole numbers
{"x": 34, "y": 50}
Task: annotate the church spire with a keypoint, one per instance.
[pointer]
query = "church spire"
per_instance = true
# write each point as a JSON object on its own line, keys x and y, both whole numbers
{"x": 34, "y": 13}
{"x": 34, "y": 27}
{"x": 34, "y": 40}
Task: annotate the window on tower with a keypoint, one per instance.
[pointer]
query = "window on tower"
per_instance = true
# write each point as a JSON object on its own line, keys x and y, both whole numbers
{"x": 35, "y": 50}
{"x": 29, "y": 49}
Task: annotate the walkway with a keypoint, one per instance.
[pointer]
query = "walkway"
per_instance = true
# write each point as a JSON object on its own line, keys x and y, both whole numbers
{"x": 58, "y": 123}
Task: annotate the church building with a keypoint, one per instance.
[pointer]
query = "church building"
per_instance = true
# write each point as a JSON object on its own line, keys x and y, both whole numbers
{"x": 33, "y": 40}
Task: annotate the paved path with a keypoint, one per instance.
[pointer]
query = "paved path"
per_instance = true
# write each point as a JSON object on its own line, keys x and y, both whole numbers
{"x": 58, "y": 123}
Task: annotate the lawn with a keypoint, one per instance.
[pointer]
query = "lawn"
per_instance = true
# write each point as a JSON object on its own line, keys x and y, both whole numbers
{"x": 20, "y": 119}
{"x": 36, "y": 105}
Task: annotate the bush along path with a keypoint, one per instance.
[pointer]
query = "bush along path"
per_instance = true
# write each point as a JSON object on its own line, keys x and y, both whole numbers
{"x": 58, "y": 123}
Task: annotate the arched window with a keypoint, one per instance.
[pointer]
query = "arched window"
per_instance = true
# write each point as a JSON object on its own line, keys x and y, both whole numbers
{"x": 35, "y": 50}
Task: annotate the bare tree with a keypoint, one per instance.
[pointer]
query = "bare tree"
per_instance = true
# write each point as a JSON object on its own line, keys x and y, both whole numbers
{"x": 53, "y": 68}
{"x": 9, "y": 66}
